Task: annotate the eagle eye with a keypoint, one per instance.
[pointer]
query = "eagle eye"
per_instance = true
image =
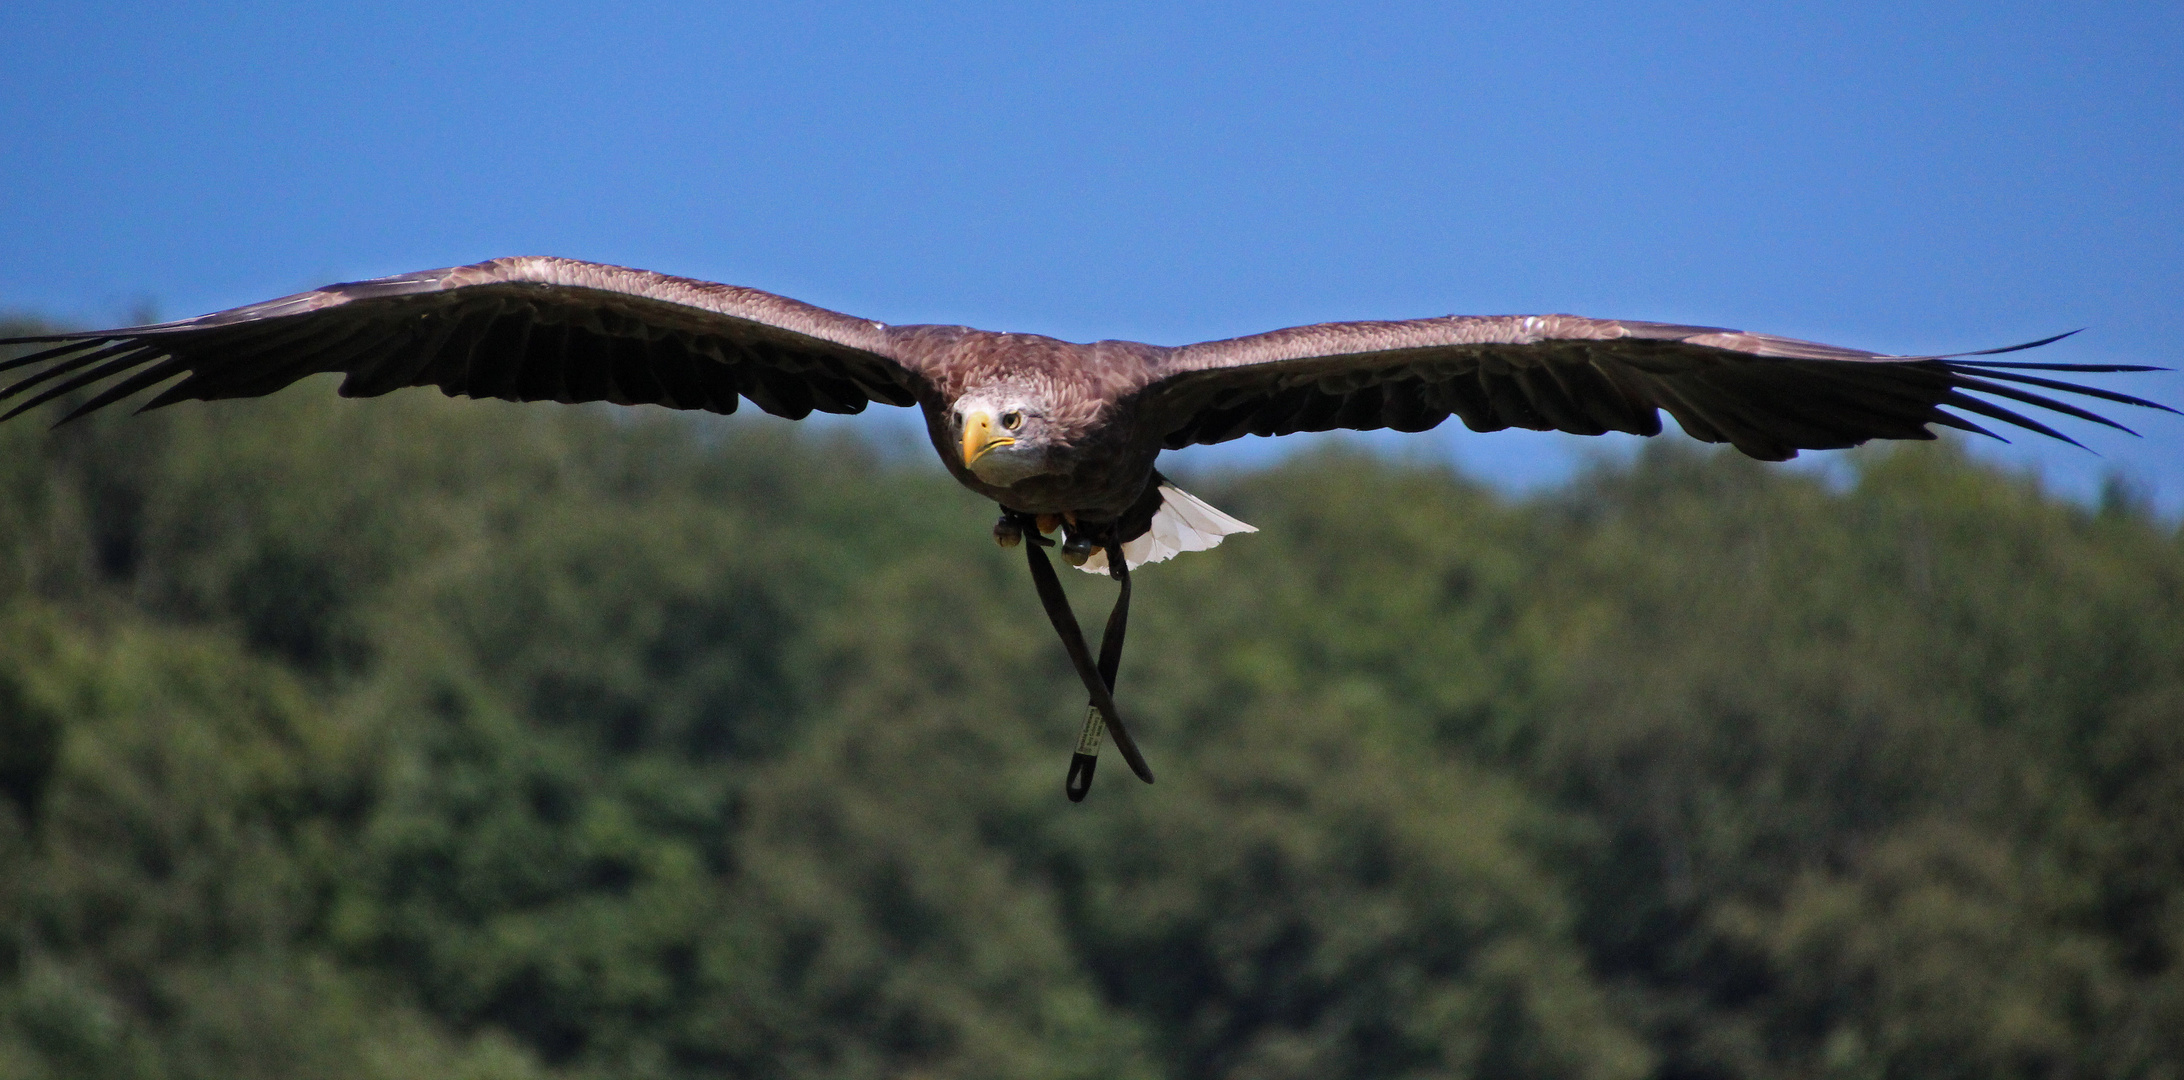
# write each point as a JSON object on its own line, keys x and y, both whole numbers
{"x": 1012, "y": 420}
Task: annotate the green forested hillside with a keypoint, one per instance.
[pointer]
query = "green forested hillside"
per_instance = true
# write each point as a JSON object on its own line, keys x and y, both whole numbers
{"x": 409, "y": 738}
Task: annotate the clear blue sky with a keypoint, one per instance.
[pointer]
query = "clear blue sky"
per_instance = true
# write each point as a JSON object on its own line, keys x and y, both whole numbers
{"x": 1898, "y": 176}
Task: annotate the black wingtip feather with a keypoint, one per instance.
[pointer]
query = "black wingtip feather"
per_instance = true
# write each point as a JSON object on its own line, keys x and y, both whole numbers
{"x": 1960, "y": 400}
{"x": 2029, "y": 344}
{"x": 40, "y": 339}
{"x": 186, "y": 390}
{"x": 1961, "y": 424}
{"x": 2023, "y": 365}
{"x": 149, "y": 376}
{"x": 2064, "y": 407}
{"x": 46, "y": 354}
{"x": 63, "y": 367}
{"x": 2008, "y": 348}
{"x": 2076, "y": 388}
{"x": 130, "y": 358}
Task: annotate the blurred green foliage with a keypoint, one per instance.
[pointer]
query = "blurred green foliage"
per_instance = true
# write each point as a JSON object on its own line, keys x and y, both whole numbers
{"x": 410, "y": 738}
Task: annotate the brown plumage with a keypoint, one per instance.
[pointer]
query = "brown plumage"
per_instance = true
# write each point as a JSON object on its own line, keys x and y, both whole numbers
{"x": 543, "y": 329}
{"x": 1047, "y": 427}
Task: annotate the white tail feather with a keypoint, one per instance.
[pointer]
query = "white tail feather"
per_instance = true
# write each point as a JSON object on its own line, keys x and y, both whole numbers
{"x": 1184, "y": 523}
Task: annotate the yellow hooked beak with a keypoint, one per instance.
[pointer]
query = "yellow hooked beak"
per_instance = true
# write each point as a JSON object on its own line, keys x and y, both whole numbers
{"x": 979, "y": 437}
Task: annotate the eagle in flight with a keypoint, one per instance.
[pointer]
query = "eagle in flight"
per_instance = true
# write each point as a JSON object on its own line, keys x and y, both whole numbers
{"x": 1063, "y": 436}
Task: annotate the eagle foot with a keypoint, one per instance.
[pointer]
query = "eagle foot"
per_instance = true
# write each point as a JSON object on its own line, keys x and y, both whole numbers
{"x": 1015, "y": 526}
{"x": 1077, "y": 550}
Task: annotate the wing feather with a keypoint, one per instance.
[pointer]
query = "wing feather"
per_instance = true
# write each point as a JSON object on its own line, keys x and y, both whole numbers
{"x": 144, "y": 379}
{"x": 1987, "y": 386}
{"x": 527, "y": 329}
{"x": 63, "y": 367}
{"x": 1512, "y": 401}
{"x": 1466, "y": 399}
{"x": 1553, "y": 401}
{"x": 1988, "y": 408}
{"x": 1768, "y": 396}
{"x": 40, "y": 355}
{"x": 504, "y": 352}
{"x": 543, "y": 375}
{"x": 2075, "y": 388}
{"x": 112, "y": 367}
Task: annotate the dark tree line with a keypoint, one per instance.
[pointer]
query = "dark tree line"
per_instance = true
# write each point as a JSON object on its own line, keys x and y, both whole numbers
{"x": 409, "y": 738}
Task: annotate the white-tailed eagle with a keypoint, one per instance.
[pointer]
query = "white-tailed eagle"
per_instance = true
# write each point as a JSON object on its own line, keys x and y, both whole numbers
{"x": 1061, "y": 435}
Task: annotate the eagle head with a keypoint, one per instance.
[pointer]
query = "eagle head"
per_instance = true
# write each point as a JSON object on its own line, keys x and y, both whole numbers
{"x": 1006, "y": 436}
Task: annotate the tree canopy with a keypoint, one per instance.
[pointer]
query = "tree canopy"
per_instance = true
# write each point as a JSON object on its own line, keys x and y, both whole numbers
{"x": 409, "y": 738}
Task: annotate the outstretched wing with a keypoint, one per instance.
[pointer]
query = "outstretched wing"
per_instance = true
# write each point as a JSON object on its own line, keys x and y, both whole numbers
{"x": 1768, "y": 396}
{"x": 523, "y": 329}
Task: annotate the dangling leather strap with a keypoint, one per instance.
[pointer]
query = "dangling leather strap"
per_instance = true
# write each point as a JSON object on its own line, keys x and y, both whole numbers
{"x": 1065, "y": 626}
{"x": 1087, "y": 758}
